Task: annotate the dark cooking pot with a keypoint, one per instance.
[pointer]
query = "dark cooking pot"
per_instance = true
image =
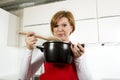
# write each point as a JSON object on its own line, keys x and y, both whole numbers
{"x": 58, "y": 52}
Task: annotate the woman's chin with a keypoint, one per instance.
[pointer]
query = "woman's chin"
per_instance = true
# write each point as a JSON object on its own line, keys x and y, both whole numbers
{"x": 64, "y": 40}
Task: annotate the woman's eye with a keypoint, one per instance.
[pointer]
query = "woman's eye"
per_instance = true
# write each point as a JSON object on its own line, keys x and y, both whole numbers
{"x": 64, "y": 25}
{"x": 55, "y": 26}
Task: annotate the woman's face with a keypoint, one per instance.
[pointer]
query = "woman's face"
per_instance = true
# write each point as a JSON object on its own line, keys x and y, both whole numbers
{"x": 63, "y": 29}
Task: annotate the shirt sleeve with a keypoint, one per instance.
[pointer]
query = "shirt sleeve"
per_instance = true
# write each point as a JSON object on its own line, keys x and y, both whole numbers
{"x": 29, "y": 68}
{"x": 81, "y": 68}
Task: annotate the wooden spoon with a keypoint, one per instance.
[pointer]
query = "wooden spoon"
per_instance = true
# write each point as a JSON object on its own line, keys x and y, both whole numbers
{"x": 42, "y": 37}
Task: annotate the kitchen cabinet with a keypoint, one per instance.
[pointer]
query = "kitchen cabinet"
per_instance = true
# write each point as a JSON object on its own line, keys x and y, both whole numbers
{"x": 82, "y": 9}
{"x": 10, "y": 62}
{"x": 86, "y": 32}
{"x": 9, "y": 53}
{"x": 108, "y": 20}
{"x": 13, "y": 28}
{"x": 3, "y": 25}
{"x": 94, "y": 21}
{"x": 103, "y": 62}
{"x": 38, "y": 17}
{"x": 109, "y": 29}
{"x": 9, "y": 26}
{"x": 108, "y": 8}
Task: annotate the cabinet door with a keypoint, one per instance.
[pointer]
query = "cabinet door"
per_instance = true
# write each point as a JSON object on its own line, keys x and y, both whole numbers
{"x": 109, "y": 29}
{"x": 4, "y": 21}
{"x": 108, "y": 7}
{"x": 86, "y": 32}
{"x": 81, "y": 9}
{"x": 13, "y": 28}
{"x": 8, "y": 28}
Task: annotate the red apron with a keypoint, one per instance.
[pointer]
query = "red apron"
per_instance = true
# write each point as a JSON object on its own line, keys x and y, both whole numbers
{"x": 59, "y": 72}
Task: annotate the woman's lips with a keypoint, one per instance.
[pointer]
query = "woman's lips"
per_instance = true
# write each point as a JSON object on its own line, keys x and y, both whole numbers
{"x": 60, "y": 35}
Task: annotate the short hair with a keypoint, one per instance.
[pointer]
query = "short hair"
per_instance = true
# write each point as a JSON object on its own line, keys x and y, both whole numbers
{"x": 60, "y": 14}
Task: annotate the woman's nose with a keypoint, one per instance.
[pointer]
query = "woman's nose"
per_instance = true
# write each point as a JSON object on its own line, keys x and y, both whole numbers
{"x": 60, "y": 28}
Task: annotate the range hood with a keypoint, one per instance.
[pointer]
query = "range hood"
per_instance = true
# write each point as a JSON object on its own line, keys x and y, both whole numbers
{"x": 19, "y": 4}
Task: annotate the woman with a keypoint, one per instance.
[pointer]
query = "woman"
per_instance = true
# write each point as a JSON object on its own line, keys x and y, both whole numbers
{"x": 62, "y": 25}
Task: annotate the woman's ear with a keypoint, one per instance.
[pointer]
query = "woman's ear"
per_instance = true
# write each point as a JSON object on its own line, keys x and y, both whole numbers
{"x": 71, "y": 29}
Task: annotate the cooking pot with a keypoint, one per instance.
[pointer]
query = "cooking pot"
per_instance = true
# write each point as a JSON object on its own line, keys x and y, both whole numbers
{"x": 57, "y": 52}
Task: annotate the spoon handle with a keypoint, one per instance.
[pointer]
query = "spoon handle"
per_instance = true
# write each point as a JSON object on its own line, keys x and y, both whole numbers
{"x": 41, "y": 37}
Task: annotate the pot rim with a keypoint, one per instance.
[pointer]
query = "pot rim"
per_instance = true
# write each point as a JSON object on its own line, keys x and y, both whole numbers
{"x": 56, "y": 42}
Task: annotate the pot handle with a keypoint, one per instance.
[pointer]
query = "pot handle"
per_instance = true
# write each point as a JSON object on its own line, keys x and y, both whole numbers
{"x": 83, "y": 45}
{"x": 40, "y": 47}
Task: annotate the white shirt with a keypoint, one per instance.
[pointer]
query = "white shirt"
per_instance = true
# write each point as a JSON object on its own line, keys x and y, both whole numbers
{"x": 29, "y": 69}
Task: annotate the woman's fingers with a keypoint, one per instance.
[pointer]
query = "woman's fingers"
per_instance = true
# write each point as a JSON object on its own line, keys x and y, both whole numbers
{"x": 30, "y": 40}
{"x": 77, "y": 50}
{"x": 81, "y": 47}
{"x": 75, "y": 53}
{"x": 30, "y": 34}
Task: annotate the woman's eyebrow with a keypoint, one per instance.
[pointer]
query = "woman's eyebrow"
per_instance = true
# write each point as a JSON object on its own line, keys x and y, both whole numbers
{"x": 65, "y": 22}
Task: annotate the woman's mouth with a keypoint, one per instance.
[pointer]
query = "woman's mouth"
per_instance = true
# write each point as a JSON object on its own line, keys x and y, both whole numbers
{"x": 61, "y": 35}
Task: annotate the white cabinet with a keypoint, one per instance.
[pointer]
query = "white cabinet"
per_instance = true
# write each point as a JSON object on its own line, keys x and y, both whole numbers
{"x": 4, "y": 19}
{"x": 81, "y": 9}
{"x": 103, "y": 62}
{"x": 9, "y": 54}
{"x": 108, "y": 7}
{"x": 13, "y": 28}
{"x": 9, "y": 25}
{"x": 109, "y": 20}
{"x": 86, "y": 32}
{"x": 37, "y": 18}
{"x": 92, "y": 27}
{"x": 109, "y": 29}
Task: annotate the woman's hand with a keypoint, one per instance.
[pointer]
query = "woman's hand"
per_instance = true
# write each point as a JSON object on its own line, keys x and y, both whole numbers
{"x": 30, "y": 40}
{"x": 77, "y": 50}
